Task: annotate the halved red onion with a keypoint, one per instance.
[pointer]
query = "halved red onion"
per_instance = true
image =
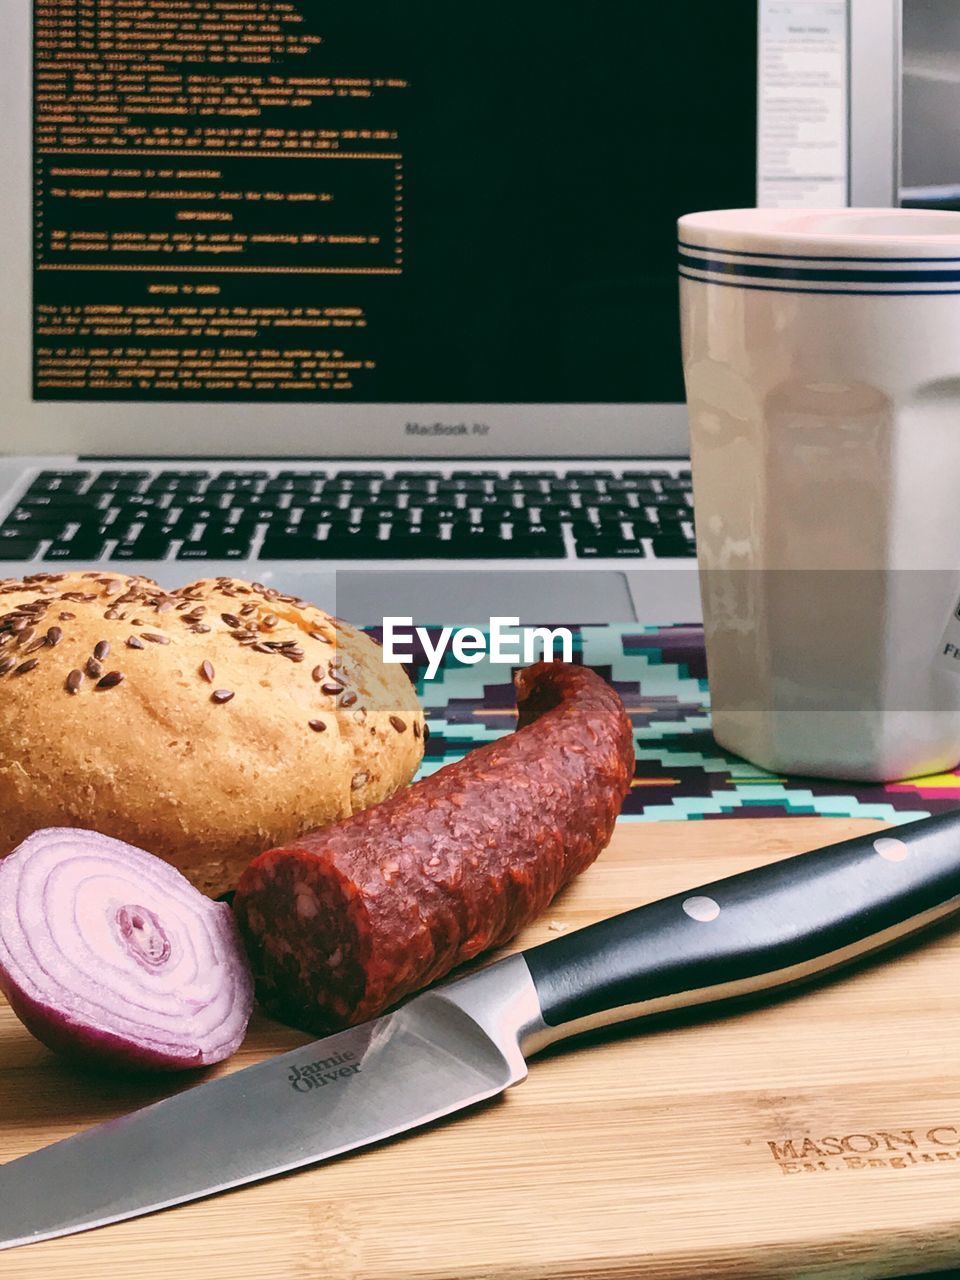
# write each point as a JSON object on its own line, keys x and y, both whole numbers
{"x": 109, "y": 954}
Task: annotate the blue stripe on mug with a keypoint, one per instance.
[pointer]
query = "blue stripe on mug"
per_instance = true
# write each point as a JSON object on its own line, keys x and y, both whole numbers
{"x": 803, "y": 257}
{"x": 717, "y": 282}
{"x": 765, "y": 275}
{"x": 820, "y": 275}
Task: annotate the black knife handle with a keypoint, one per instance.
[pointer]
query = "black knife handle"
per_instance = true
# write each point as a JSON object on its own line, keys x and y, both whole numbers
{"x": 752, "y": 932}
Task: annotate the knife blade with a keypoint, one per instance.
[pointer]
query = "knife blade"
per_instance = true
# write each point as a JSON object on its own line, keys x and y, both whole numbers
{"x": 467, "y": 1041}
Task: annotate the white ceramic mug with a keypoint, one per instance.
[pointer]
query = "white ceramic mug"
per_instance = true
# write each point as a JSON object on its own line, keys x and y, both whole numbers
{"x": 822, "y": 363}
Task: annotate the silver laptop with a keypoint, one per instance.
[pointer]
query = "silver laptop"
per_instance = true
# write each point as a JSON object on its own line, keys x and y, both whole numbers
{"x": 378, "y": 304}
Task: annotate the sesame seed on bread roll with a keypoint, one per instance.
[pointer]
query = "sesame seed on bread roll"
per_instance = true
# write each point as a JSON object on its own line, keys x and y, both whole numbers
{"x": 205, "y": 724}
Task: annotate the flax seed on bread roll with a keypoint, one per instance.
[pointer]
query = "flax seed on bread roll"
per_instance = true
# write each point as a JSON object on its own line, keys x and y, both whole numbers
{"x": 205, "y": 724}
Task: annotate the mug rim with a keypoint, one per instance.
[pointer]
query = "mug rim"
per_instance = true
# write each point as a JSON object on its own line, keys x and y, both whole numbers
{"x": 923, "y": 231}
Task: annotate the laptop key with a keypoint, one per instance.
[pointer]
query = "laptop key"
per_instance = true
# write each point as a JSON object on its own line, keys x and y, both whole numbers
{"x": 218, "y": 537}
{"x": 41, "y": 524}
{"x": 279, "y": 546}
{"x": 237, "y": 482}
{"x": 353, "y": 542}
{"x": 470, "y": 542}
{"x": 610, "y": 501}
{"x": 335, "y": 488}
{"x": 670, "y": 548}
{"x": 149, "y": 544}
{"x": 291, "y": 546}
{"x": 484, "y": 542}
{"x": 521, "y": 485}
{"x": 418, "y": 485}
{"x": 671, "y": 511}
{"x": 375, "y": 513}
{"x": 644, "y": 529}
{"x": 537, "y": 542}
{"x": 477, "y": 483}
{"x": 18, "y": 548}
{"x": 607, "y": 548}
{"x": 183, "y": 524}
{"x": 490, "y": 510}
{"x": 222, "y": 550}
{"x": 575, "y": 484}
{"x": 178, "y": 482}
{"x": 59, "y": 482}
{"x": 70, "y": 506}
{"x": 149, "y": 516}
{"x": 597, "y": 518}
{"x": 475, "y": 543}
{"x": 672, "y": 527}
{"x": 296, "y": 482}
{"x": 311, "y": 516}
{"x": 417, "y": 479}
{"x": 259, "y": 509}
{"x": 85, "y": 545}
{"x": 645, "y": 490}
{"x": 120, "y": 482}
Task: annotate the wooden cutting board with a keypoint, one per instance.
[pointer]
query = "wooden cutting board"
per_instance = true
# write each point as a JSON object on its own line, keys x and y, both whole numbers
{"x": 816, "y": 1137}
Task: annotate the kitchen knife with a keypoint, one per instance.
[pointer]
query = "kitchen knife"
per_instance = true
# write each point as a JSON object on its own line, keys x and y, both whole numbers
{"x": 468, "y": 1040}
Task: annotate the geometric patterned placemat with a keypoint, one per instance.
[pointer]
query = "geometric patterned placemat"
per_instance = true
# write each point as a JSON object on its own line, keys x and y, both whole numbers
{"x": 660, "y": 673}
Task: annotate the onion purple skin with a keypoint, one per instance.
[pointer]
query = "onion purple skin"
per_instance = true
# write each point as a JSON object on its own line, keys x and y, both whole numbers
{"x": 92, "y": 1048}
{"x": 47, "y": 957}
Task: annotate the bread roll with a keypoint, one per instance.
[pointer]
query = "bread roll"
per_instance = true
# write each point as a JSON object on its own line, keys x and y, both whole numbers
{"x": 204, "y": 724}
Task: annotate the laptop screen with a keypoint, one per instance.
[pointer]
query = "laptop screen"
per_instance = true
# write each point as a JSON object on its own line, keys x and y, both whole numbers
{"x": 381, "y": 201}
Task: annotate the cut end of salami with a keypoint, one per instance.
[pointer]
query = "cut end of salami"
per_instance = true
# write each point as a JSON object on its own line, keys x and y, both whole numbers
{"x": 344, "y": 922}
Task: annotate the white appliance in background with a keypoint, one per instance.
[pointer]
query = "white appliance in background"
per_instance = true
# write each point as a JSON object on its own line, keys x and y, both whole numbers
{"x": 509, "y": 307}
{"x": 931, "y": 104}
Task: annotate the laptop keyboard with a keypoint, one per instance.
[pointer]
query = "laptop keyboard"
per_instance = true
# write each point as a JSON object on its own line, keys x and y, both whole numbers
{"x": 193, "y": 514}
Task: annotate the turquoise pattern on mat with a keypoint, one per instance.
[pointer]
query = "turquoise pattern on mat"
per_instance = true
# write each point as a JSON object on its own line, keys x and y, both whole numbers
{"x": 660, "y": 672}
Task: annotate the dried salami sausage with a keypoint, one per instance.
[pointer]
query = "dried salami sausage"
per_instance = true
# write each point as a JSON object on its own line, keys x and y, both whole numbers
{"x": 345, "y": 921}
